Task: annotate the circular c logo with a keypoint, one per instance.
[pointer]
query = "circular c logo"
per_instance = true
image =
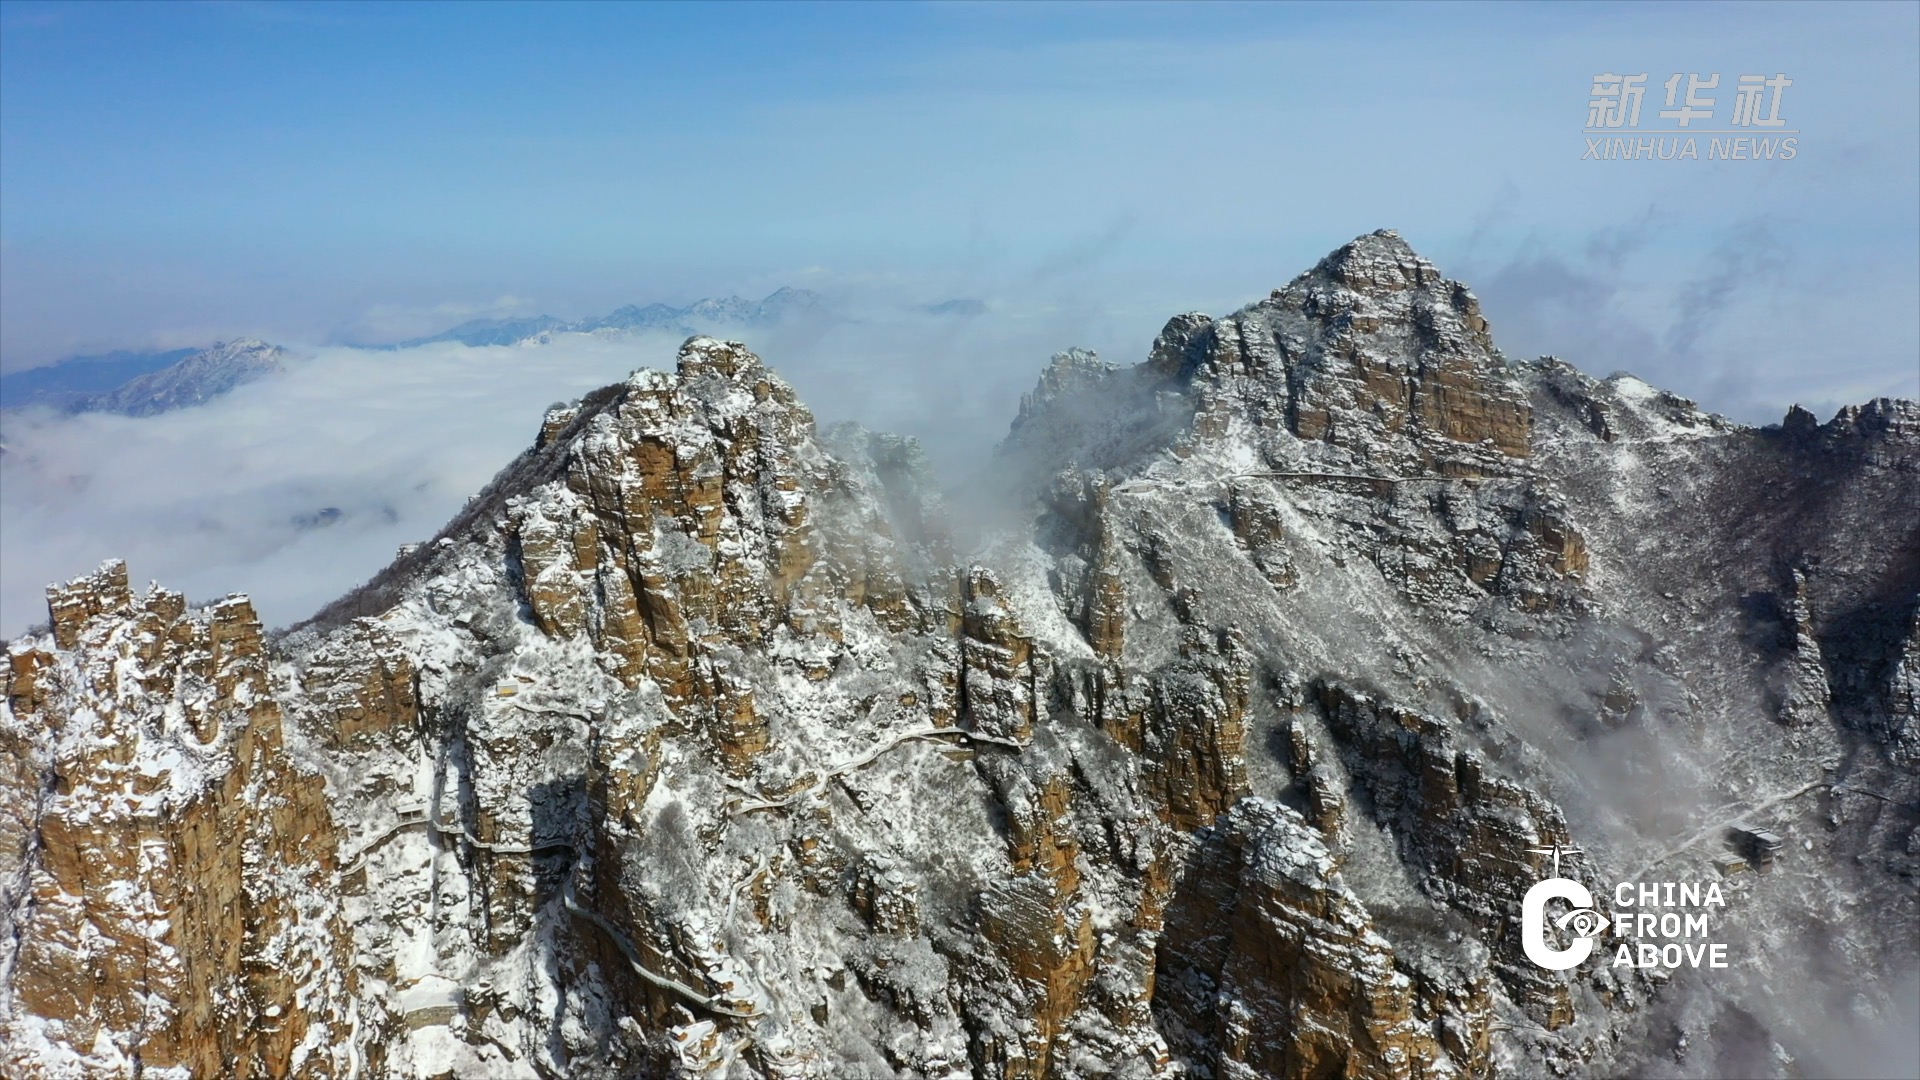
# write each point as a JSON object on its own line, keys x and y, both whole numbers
{"x": 1533, "y": 924}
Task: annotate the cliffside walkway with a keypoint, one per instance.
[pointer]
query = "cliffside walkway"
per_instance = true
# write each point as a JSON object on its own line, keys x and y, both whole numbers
{"x": 868, "y": 758}
{"x": 1720, "y": 827}
{"x": 428, "y": 819}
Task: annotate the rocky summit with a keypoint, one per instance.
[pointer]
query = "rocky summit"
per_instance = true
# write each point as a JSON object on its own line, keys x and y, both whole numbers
{"x": 706, "y": 742}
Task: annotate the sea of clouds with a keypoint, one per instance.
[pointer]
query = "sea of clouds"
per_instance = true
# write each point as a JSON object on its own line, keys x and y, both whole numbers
{"x": 297, "y": 487}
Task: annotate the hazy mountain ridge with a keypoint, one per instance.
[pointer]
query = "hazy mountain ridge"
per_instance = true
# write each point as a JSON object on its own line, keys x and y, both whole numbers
{"x": 135, "y": 383}
{"x": 710, "y": 313}
{"x": 61, "y": 384}
{"x": 195, "y": 380}
{"x": 700, "y": 743}
{"x": 182, "y": 379}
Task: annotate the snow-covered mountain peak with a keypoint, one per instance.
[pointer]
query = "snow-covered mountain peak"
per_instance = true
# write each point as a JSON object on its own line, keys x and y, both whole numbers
{"x": 696, "y": 745}
{"x": 1372, "y": 361}
{"x": 1377, "y": 263}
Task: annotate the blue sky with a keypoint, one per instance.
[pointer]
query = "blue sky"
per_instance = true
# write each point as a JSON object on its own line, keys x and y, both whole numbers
{"x": 175, "y": 173}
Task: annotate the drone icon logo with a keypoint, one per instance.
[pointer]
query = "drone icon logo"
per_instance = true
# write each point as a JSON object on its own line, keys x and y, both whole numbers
{"x": 1585, "y": 922}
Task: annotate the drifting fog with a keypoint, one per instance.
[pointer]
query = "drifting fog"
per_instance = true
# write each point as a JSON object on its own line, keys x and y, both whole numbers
{"x": 298, "y": 487}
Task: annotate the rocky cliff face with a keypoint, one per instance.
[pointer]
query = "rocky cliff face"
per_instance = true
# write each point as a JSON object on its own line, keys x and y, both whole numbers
{"x": 701, "y": 744}
{"x": 170, "y": 870}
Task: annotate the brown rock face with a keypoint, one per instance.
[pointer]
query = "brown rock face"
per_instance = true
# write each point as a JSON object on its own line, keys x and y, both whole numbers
{"x": 365, "y": 681}
{"x": 1477, "y": 832}
{"x": 76, "y": 603}
{"x": 1273, "y": 969}
{"x": 1259, "y": 525}
{"x": 1047, "y": 944}
{"x": 682, "y": 524}
{"x": 174, "y": 916}
{"x": 1105, "y": 614}
{"x": 1196, "y": 736}
{"x": 1000, "y": 690}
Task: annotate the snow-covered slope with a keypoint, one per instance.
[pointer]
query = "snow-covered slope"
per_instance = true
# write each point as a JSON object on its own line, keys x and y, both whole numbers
{"x": 701, "y": 742}
{"x": 194, "y": 380}
{"x": 64, "y": 382}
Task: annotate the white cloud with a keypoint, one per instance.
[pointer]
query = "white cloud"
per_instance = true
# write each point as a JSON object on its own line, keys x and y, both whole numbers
{"x": 211, "y": 500}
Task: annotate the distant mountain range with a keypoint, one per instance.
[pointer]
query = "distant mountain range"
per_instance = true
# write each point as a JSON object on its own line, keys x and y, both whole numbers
{"x": 64, "y": 384}
{"x": 958, "y": 307}
{"x": 701, "y": 315}
{"x": 142, "y": 383}
{"x": 196, "y": 379}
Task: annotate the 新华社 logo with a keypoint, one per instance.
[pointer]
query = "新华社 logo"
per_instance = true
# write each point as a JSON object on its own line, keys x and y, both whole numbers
{"x": 1752, "y": 130}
